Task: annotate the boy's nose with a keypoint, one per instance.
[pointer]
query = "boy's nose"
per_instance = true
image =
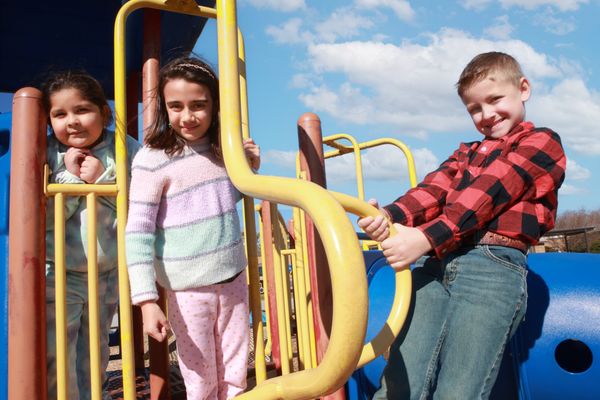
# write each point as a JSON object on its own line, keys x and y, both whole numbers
{"x": 487, "y": 113}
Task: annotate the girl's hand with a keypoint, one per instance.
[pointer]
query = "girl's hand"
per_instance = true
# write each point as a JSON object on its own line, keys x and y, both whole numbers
{"x": 91, "y": 168}
{"x": 155, "y": 323}
{"x": 252, "y": 153}
{"x": 73, "y": 159}
{"x": 376, "y": 227}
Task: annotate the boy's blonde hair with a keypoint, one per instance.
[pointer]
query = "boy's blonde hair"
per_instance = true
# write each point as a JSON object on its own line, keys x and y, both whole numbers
{"x": 484, "y": 64}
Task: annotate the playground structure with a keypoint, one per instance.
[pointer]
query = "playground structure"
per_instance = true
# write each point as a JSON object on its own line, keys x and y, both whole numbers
{"x": 312, "y": 306}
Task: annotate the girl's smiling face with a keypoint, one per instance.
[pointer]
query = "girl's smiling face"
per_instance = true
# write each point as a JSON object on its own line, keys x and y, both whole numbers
{"x": 189, "y": 107}
{"x": 76, "y": 121}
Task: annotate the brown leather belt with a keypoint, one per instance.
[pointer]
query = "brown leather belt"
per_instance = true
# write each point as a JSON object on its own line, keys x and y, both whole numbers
{"x": 496, "y": 239}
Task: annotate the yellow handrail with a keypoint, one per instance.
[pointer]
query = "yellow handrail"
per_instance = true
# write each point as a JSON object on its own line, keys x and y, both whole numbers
{"x": 399, "y": 310}
{"x": 260, "y": 366}
{"x": 340, "y": 242}
{"x": 342, "y": 149}
{"x": 125, "y": 323}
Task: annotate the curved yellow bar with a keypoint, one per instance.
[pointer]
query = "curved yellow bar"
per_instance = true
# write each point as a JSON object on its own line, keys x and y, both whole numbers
{"x": 339, "y": 239}
{"x": 342, "y": 149}
{"x": 185, "y": 7}
{"x": 399, "y": 310}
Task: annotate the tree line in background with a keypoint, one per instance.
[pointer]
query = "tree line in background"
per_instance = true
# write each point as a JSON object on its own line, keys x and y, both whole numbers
{"x": 581, "y": 219}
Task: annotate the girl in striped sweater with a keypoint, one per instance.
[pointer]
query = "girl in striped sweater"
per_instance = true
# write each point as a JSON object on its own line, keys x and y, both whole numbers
{"x": 183, "y": 232}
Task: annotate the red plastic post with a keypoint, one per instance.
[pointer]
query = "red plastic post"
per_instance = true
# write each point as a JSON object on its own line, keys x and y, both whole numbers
{"x": 312, "y": 161}
{"x": 27, "y": 252}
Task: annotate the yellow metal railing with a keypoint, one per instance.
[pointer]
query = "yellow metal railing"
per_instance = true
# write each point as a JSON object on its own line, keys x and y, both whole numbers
{"x": 340, "y": 243}
{"x": 340, "y": 149}
{"x": 60, "y": 191}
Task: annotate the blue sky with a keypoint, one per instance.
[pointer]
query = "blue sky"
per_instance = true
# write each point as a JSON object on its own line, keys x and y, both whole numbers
{"x": 373, "y": 68}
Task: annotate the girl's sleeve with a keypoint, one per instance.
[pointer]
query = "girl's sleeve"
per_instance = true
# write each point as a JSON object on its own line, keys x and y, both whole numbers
{"x": 425, "y": 201}
{"x": 59, "y": 174}
{"x": 140, "y": 236}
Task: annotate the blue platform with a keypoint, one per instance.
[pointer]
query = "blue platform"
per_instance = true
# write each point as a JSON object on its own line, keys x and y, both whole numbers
{"x": 5, "y": 123}
{"x": 555, "y": 354}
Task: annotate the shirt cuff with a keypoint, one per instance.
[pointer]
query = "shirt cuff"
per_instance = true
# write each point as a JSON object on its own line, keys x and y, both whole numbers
{"x": 67, "y": 177}
{"x": 440, "y": 236}
{"x": 395, "y": 213}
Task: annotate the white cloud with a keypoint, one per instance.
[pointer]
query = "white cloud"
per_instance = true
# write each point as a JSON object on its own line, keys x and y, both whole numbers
{"x": 570, "y": 190}
{"x": 560, "y": 25}
{"x": 278, "y": 5}
{"x": 289, "y": 32}
{"x": 406, "y": 85}
{"x": 382, "y": 163}
{"x": 401, "y": 8}
{"x": 562, "y": 5}
{"x": 573, "y": 111}
{"x": 342, "y": 23}
{"x": 576, "y": 172}
{"x": 300, "y": 81}
{"x": 279, "y": 158}
{"x": 502, "y": 29}
{"x": 475, "y": 4}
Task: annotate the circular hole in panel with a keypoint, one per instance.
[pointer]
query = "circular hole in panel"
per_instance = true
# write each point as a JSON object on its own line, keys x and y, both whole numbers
{"x": 573, "y": 356}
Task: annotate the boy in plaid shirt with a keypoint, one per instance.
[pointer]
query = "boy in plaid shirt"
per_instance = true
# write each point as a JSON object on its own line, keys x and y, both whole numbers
{"x": 474, "y": 217}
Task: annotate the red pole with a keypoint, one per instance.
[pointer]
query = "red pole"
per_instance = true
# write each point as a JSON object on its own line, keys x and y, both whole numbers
{"x": 312, "y": 161}
{"x": 27, "y": 252}
{"x": 159, "y": 352}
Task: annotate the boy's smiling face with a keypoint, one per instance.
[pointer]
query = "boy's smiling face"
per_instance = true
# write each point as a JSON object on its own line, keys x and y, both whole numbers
{"x": 495, "y": 104}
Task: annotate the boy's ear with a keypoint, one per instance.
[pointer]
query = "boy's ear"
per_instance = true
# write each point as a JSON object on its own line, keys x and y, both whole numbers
{"x": 525, "y": 89}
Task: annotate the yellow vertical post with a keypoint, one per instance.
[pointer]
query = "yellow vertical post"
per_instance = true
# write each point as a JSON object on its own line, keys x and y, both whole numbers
{"x": 60, "y": 271}
{"x": 250, "y": 230}
{"x": 94, "y": 318}
{"x": 125, "y": 320}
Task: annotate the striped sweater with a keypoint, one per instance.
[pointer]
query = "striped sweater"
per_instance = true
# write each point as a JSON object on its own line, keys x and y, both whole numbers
{"x": 183, "y": 230}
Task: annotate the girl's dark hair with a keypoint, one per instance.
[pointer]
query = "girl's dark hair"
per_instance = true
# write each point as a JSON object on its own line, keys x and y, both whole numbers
{"x": 89, "y": 88}
{"x": 160, "y": 135}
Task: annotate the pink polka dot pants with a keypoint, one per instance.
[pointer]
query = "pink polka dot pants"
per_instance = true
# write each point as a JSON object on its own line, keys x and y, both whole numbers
{"x": 211, "y": 325}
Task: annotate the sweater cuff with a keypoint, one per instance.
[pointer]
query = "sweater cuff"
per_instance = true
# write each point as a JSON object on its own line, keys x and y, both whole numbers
{"x": 142, "y": 297}
{"x": 441, "y": 237}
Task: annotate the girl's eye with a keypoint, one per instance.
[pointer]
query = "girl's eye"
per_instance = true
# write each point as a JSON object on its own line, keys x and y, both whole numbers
{"x": 58, "y": 115}
{"x": 199, "y": 106}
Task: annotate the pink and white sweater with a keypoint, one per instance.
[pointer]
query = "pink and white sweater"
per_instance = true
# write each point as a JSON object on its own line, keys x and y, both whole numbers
{"x": 183, "y": 228}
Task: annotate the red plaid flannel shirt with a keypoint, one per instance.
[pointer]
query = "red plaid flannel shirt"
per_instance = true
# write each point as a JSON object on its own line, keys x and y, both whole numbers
{"x": 508, "y": 186}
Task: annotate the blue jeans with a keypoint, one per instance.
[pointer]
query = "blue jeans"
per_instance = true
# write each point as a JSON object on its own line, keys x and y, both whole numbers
{"x": 465, "y": 308}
